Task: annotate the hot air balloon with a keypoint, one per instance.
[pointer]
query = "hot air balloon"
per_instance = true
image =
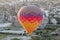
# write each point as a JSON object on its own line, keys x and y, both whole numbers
{"x": 30, "y": 17}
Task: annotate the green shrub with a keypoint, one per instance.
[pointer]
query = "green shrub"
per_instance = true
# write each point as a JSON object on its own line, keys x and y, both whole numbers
{"x": 58, "y": 20}
{"x": 36, "y": 38}
{"x": 15, "y": 39}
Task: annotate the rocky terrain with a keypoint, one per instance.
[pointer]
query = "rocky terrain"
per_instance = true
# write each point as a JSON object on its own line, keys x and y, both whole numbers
{"x": 9, "y": 10}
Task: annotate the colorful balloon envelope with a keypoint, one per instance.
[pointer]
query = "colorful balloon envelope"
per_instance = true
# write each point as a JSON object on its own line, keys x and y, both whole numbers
{"x": 30, "y": 17}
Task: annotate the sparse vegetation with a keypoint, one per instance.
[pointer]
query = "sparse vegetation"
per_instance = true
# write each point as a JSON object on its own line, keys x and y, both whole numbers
{"x": 36, "y": 38}
{"x": 15, "y": 39}
{"x": 2, "y": 36}
{"x": 11, "y": 8}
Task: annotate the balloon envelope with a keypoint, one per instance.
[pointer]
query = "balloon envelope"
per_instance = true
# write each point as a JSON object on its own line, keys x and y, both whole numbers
{"x": 30, "y": 17}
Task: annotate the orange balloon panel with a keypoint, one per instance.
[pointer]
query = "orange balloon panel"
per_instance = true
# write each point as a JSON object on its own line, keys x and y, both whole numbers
{"x": 30, "y": 17}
